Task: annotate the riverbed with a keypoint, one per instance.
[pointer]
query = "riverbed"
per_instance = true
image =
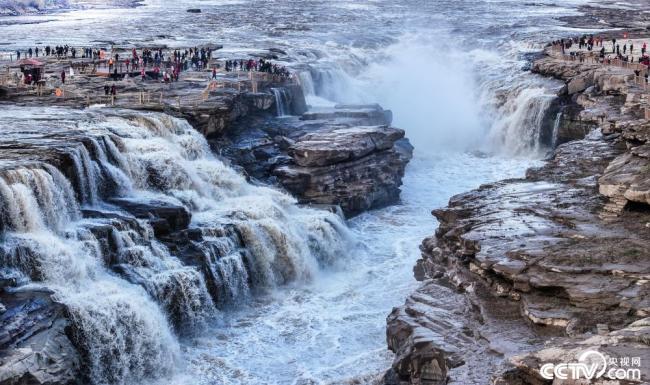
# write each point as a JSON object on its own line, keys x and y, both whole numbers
{"x": 454, "y": 75}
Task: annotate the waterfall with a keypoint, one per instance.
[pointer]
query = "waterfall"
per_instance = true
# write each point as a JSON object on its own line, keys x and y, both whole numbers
{"x": 116, "y": 325}
{"x": 67, "y": 221}
{"x": 517, "y": 126}
{"x": 307, "y": 83}
{"x": 282, "y": 100}
{"x": 556, "y": 129}
{"x": 326, "y": 84}
{"x": 465, "y": 99}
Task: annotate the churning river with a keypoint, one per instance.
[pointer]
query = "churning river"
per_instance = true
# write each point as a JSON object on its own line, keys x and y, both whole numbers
{"x": 452, "y": 72}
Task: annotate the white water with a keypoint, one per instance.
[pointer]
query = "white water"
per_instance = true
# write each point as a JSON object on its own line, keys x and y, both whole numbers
{"x": 123, "y": 332}
{"x": 122, "y": 323}
{"x": 451, "y": 73}
{"x": 556, "y": 128}
{"x": 332, "y": 330}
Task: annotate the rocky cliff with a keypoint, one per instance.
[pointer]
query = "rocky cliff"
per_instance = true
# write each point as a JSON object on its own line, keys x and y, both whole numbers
{"x": 199, "y": 240}
{"x": 548, "y": 265}
{"x": 348, "y": 156}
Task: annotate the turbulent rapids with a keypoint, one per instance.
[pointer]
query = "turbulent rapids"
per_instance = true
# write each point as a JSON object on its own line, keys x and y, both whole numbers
{"x": 134, "y": 251}
{"x": 72, "y": 195}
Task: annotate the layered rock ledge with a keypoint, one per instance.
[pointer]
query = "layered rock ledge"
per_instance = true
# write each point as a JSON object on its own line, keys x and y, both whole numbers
{"x": 348, "y": 156}
{"x": 564, "y": 252}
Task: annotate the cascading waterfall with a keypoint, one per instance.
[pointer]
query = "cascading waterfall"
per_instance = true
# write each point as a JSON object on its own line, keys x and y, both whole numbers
{"x": 326, "y": 84}
{"x": 282, "y": 100}
{"x": 307, "y": 83}
{"x": 122, "y": 300}
{"x": 125, "y": 290}
{"x": 517, "y": 130}
{"x": 477, "y": 109}
{"x": 45, "y": 240}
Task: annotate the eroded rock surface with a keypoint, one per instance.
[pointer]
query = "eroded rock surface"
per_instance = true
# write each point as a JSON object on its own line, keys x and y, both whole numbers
{"x": 348, "y": 156}
{"x": 567, "y": 247}
{"x": 34, "y": 346}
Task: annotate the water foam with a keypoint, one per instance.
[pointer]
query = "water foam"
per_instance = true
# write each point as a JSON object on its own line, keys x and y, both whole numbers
{"x": 126, "y": 293}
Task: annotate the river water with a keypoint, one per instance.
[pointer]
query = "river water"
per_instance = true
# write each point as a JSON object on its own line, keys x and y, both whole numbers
{"x": 452, "y": 72}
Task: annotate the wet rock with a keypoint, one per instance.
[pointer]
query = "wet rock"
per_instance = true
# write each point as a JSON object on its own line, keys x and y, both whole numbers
{"x": 348, "y": 155}
{"x": 442, "y": 335}
{"x": 164, "y": 217}
{"x": 422, "y": 335}
{"x": 356, "y": 185}
{"x": 333, "y": 146}
{"x": 34, "y": 346}
{"x": 371, "y": 114}
{"x": 567, "y": 244}
{"x": 629, "y": 343}
{"x": 627, "y": 178}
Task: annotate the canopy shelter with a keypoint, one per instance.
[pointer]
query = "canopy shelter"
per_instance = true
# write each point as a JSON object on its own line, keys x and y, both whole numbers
{"x": 32, "y": 70}
{"x": 30, "y": 62}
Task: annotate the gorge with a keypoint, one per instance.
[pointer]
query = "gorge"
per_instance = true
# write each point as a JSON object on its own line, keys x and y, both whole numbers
{"x": 262, "y": 234}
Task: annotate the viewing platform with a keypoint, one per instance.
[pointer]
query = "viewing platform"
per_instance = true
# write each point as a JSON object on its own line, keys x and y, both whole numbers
{"x": 202, "y": 90}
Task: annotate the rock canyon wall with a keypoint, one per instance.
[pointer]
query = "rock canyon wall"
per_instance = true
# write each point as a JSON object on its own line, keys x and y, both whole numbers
{"x": 545, "y": 267}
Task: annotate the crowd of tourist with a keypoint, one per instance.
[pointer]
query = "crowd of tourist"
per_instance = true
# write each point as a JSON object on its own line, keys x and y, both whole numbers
{"x": 147, "y": 63}
{"x": 157, "y": 60}
{"x": 624, "y": 52}
{"x": 260, "y": 65}
{"x": 58, "y": 51}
